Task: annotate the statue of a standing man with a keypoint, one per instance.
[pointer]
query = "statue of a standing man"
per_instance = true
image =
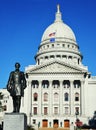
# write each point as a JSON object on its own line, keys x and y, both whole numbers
{"x": 16, "y": 85}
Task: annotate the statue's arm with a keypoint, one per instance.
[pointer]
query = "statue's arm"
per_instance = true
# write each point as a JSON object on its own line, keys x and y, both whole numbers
{"x": 9, "y": 83}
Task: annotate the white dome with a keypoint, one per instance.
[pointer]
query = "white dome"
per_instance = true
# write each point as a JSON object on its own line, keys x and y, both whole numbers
{"x": 60, "y": 29}
{"x": 58, "y": 42}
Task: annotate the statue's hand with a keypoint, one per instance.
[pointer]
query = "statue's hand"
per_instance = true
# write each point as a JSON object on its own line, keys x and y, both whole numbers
{"x": 9, "y": 88}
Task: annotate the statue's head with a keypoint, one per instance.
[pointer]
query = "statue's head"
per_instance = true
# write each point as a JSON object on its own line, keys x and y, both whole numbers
{"x": 17, "y": 65}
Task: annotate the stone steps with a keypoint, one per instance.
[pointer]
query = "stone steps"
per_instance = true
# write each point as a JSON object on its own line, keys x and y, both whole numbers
{"x": 44, "y": 128}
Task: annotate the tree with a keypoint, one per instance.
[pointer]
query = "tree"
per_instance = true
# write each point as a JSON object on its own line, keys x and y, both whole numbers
{"x": 92, "y": 121}
{"x": 1, "y": 98}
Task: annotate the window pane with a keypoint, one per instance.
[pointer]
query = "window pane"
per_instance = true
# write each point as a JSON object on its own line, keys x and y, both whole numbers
{"x": 55, "y": 110}
{"x": 45, "y": 97}
{"x": 35, "y": 96}
{"x": 76, "y": 96}
{"x": 56, "y": 97}
{"x": 66, "y": 96}
{"x": 66, "y": 110}
{"x": 45, "y": 110}
{"x": 35, "y": 111}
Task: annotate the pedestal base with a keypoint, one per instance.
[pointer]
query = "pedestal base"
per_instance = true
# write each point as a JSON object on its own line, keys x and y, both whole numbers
{"x": 15, "y": 121}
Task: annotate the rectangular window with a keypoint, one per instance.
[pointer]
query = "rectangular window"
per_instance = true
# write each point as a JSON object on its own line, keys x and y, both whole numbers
{"x": 35, "y": 110}
{"x": 76, "y": 98}
{"x": 56, "y": 97}
{"x": 55, "y": 110}
{"x": 45, "y": 110}
{"x": 66, "y": 110}
{"x": 77, "y": 110}
{"x": 35, "y": 97}
{"x": 34, "y": 121}
{"x": 45, "y": 97}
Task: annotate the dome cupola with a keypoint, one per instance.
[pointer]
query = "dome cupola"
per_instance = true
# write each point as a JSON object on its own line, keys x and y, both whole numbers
{"x": 58, "y": 42}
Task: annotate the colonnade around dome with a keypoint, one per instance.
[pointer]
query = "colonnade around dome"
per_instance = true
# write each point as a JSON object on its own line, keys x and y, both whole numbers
{"x": 65, "y": 58}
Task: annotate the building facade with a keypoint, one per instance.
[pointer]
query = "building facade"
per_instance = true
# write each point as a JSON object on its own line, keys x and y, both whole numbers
{"x": 59, "y": 87}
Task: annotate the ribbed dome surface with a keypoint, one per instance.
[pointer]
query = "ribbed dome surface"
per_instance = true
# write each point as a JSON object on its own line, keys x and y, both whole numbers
{"x": 60, "y": 29}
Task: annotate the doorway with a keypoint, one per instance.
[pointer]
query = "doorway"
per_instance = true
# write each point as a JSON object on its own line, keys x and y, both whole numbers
{"x": 45, "y": 123}
{"x": 55, "y": 123}
{"x": 66, "y": 123}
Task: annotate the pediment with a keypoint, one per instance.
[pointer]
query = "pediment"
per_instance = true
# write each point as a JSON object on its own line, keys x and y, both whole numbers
{"x": 55, "y": 67}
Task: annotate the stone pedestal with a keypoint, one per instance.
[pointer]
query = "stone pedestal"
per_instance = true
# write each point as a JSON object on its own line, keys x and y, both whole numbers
{"x": 15, "y": 121}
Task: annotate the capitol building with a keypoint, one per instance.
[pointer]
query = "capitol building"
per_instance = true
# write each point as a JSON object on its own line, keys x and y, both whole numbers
{"x": 59, "y": 87}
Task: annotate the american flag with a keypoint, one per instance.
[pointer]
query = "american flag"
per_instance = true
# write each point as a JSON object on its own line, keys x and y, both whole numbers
{"x": 52, "y": 34}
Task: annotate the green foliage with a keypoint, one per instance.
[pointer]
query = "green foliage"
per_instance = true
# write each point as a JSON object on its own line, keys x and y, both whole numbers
{"x": 30, "y": 128}
{"x": 1, "y": 96}
{"x": 0, "y": 103}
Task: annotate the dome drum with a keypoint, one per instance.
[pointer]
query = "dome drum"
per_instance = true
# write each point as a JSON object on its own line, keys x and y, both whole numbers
{"x": 61, "y": 51}
{"x": 64, "y": 57}
{"x": 58, "y": 40}
{"x": 59, "y": 45}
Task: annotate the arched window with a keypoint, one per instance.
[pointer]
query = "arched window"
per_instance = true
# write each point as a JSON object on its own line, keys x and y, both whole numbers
{"x": 45, "y": 97}
{"x": 77, "y": 83}
{"x": 56, "y": 83}
{"x": 38, "y": 61}
{"x": 78, "y": 61}
{"x": 70, "y": 57}
{"x": 66, "y": 97}
{"x": 45, "y": 83}
{"x": 46, "y": 57}
{"x": 76, "y": 96}
{"x": 52, "y": 56}
{"x": 64, "y": 56}
{"x": 66, "y": 83}
{"x": 63, "y": 45}
{"x": 35, "y": 97}
{"x": 35, "y": 83}
{"x": 56, "y": 97}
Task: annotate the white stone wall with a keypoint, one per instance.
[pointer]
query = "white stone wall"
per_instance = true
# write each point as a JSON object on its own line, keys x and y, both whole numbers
{"x": 51, "y": 104}
{"x": 87, "y": 100}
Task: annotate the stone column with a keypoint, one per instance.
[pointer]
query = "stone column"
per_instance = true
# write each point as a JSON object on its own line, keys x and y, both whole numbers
{"x": 71, "y": 98}
{"x": 82, "y": 112}
{"x": 29, "y": 100}
{"x": 40, "y": 98}
{"x": 50, "y": 109}
{"x": 61, "y": 100}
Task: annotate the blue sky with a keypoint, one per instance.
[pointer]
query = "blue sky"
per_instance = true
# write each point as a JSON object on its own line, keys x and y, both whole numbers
{"x": 22, "y": 23}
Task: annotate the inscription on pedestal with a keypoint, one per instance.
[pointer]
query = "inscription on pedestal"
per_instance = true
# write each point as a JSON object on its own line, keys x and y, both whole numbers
{"x": 15, "y": 122}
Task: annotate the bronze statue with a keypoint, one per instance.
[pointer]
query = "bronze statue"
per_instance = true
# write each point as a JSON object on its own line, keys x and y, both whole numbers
{"x": 16, "y": 85}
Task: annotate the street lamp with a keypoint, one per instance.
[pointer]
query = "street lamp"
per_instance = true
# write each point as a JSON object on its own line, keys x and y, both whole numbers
{"x": 76, "y": 113}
